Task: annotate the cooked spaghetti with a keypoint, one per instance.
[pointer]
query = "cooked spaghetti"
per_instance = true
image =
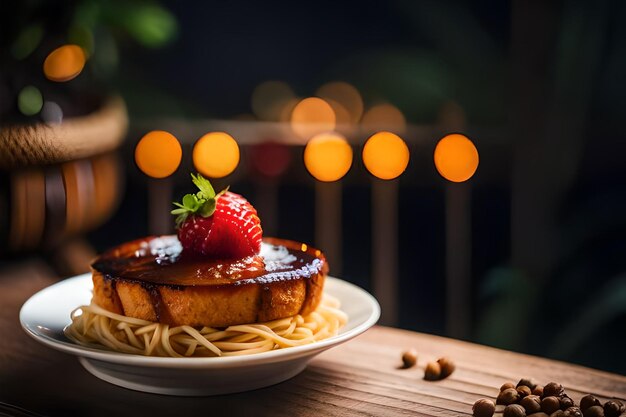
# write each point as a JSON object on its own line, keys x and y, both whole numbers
{"x": 94, "y": 326}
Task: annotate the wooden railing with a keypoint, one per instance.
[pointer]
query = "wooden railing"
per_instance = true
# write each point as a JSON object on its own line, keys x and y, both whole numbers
{"x": 328, "y": 207}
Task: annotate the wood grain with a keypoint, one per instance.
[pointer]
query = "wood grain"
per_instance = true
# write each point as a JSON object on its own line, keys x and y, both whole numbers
{"x": 359, "y": 378}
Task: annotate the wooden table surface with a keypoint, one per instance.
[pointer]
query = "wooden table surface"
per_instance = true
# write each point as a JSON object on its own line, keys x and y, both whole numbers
{"x": 361, "y": 377}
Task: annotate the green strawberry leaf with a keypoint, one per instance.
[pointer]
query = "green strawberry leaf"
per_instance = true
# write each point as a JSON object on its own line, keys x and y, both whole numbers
{"x": 207, "y": 208}
{"x": 202, "y": 203}
{"x": 206, "y": 189}
{"x": 191, "y": 202}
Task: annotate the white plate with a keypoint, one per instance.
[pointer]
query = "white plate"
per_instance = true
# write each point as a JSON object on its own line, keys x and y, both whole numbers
{"x": 47, "y": 313}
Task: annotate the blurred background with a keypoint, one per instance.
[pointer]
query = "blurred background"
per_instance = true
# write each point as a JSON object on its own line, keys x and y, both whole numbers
{"x": 527, "y": 253}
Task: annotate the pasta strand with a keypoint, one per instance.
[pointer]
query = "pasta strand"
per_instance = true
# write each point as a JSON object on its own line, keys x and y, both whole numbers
{"x": 94, "y": 326}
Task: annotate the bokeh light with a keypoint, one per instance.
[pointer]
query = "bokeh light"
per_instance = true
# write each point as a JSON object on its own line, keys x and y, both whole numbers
{"x": 153, "y": 27}
{"x": 312, "y": 116}
{"x": 270, "y": 159}
{"x": 328, "y": 156}
{"x": 27, "y": 41}
{"x": 385, "y": 155}
{"x": 29, "y": 100}
{"x": 270, "y": 98}
{"x": 64, "y": 63}
{"x": 158, "y": 154}
{"x": 83, "y": 37}
{"x": 342, "y": 116}
{"x": 287, "y": 109}
{"x": 51, "y": 113}
{"x": 216, "y": 154}
{"x": 346, "y": 95}
{"x": 456, "y": 158}
{"x": 384, "y": 117}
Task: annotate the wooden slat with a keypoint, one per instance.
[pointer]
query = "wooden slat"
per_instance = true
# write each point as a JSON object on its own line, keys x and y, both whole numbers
{"x": 458, "y": 259}
{"x": 328, "y": 229}
{"x": 385, "y": 248}
{"x": 359, "y": 378}
{"x": 159, "y": 206}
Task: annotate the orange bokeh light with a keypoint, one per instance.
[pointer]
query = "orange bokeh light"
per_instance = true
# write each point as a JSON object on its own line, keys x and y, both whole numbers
{"x": 270, "y": 98}
{"x": 456, "y": 158}
{"x": 158, "y": 154}
{"x": 328, "y": 156}
{"x": 385, "y": 155}
{"x": 384, "y": 117}
{"x": 216, "y": 154}
{"x": 287, "y": 109}
{"x": 312, "y": 116}
{"x": 64, "y": 63}
{"x": 342, "y": 116}
{"x": 347, "y": 96}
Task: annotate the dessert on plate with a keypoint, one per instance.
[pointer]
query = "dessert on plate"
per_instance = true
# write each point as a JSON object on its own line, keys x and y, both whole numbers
{"x": 218, "y": 288}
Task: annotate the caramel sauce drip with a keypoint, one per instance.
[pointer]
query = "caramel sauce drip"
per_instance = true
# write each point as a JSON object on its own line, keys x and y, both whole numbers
{"x": 161, "y": 261}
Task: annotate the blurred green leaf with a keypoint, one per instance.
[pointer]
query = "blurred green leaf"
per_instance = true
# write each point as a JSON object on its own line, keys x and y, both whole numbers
{"x": 153, "y": 26}
{"x": 106, "y": 60}
{"x": 456, "y": 32}
{"x": 83, "y": 37}
{"x": 591, "y": 220}
{"x": 26, "y": 42}
{"x": 149, "y": 24}
{"x": 606, "y": 304}
{"x": 474, "y": 59}
{"x": 415, "y": 80}
{"x": 87, "y": 14}
{"x": 505, "y": 319}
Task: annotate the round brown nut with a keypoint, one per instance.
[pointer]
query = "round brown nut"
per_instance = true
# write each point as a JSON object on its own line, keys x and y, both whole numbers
{"x": 483, "y": 408}
{"x": 409, "y": 358}
{"x": 612, "y": 408}
{"x": 550, "y": 404}
{"x": 558, "y": 413}
{"x": 523, "y": 391}
{"x": 539, "y": 414}
{"x": 594, "y": 411}
{"x": 508, "y": 396}
{"x": 507, "y": 385}
{"x": 432, "y": 372}
{"x": 566, "y": 402}
{"x": 531, "y": 403}
{"x": 538, "y": 390}
{"x": 447, "y": 367}
{"x": 573, "y": 412}
{"x": 528, "y": 382}
{"x": 553, "y": 390}
{"x": 514, "y": 410}
{"x": 588, "y": 401}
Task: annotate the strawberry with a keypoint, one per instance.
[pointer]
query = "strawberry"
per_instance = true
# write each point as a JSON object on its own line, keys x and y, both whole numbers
{"x": 222, "y": 226}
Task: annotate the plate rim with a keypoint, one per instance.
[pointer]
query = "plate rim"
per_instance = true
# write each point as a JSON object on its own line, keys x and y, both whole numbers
{"x": 273, "y": 356}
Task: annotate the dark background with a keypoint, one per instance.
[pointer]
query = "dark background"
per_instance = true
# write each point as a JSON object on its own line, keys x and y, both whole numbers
{"x": 543, "y": 89}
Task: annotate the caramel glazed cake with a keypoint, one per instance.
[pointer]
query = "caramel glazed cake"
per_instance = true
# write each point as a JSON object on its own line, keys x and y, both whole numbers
{"x": 152, "y": 279}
